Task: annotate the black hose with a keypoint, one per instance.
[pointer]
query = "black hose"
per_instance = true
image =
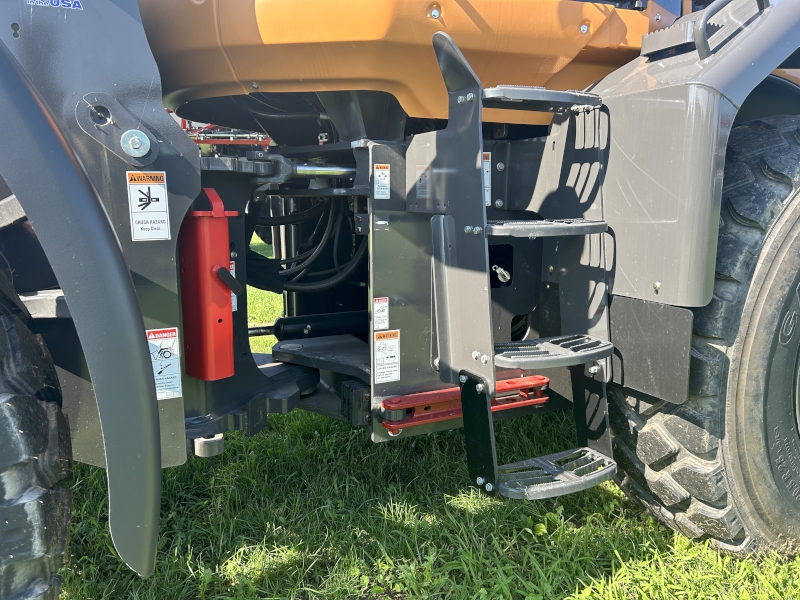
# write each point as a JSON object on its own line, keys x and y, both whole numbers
{"x": 295, "y": 218}
{"x": 337, "y": 226}
{"x": 318, "y": 250}
{"x": 327, "y": 284}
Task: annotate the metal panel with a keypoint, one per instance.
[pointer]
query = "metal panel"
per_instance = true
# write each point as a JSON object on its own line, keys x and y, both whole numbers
{"x": 653, "y": 347}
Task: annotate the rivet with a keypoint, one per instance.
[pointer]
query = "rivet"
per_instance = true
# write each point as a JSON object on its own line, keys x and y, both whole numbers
{"x": 484, "y": 359}
{"x": 584, "y": 28}
{"x": 476, "y": 355}
{"x": 435, "y": 14}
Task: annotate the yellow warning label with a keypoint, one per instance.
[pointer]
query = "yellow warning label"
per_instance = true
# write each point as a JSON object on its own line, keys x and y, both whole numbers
{"x": 155, "y": 177}
{"x": 387, "y": 335}
{"x": 386, "y": 350}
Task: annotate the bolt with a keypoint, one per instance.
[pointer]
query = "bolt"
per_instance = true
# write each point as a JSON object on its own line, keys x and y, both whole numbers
{"x": 476, "y": 355}
{"x": 501, "y": 166}
{"x": 480, "y": 481}
{"x": 358, "y": 229}
{"x": 436, "y": 362}
{"x": 489, "y": 487}
{"x": 254, "y": 85}
{"x": 477, "y": 230}
{"x": 307, "y": 329}
{"x": 549, "y": 268}
{"x": 135, "y": 143}
{"x": 462, "y": 378}
{"x": 657, "y": 286}
{"x": 658, "y": 16}
{"x": 358, "y": 218}
{"x": 594, "y": 370}
{"x": 584, "y": 28}
{"x": 468, "y": 229}
{"x": 470, "y": 97}
{"x": 234, "y": 254}
{"x": 435, "y": 14}
{"x": 498, "y": 203}
{"x": 461, "y": 99}
{"x": 479, "y": 388}
{"x": 485, "y": 359}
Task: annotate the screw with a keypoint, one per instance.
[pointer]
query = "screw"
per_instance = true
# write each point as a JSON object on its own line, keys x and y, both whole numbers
{"x": 485, "y": 359}
{"x": 480, "y": 481}
{"x": 358, "y": 229}
{"x": 594, "y": 370}
{"x": 461, "y": 99}
{"x": 468, "y": 229}
{"x": 489, "y": 487}
{"x": 136, "y": 143}
{"x": 584, "y": 28}
{"x": 234, "y": 254}
{"x": 549, "y": 268}
{"x": 479, "y": 388}
{"x": 435, "y": 14}
{"x": 498, "y": 203}
{"x": 470, "y": 97}
{"x": 476, "y": 355}
{"x": 462, "y": 378}
{"x": 358, "y": 218}
{"x": 477, "y": 230}
{"x": 658, "y": 16}
{"x": 254, "y": 85}
{"x": 307, "y": 329}
{"x": 501, "y": 166}
{"x": 657, "y": 286}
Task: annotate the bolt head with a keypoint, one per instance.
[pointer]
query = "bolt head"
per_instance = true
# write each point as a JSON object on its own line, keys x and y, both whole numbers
{"x": 657, "y": 285}
{"x": 501, "y": 166}
{"x": 461, "y": 99}
{"x": 498, "y": 203}
{"x": 462, "y": 378}
{"x": 658, "y": 16}
{"x": 358, "y": 229}
{"x": 468, "y": 229}
{"x": 479, "y": 388}
{"x": 594, "y": 370}
{"x": 470, "y": 97}
{"x": 135, "y": 143}
{"x": 436, "y": 362}
{"x": 485, "y": 359}
{"x": 254, "y": 85}
{"x": 550, "y": 268}
{"x": 489, "y": 487}
{"x": 480, "y": 481}
{"x": 234, "y": 254}
{"x": 584, "y": 28}
{"x": 477, "y": 230}
{"x": 435, "y": 14}
{"x": 476, "y": 355}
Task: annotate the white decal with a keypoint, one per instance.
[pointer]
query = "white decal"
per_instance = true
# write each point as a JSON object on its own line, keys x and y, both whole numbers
{"x": 149, "y": 205}
{"x": 381, "y": 177}
{"x": 165, "y": 354}
{"x": 380, "y": 313}
{"x": 423, "y": 182}
{"x": 387, "y": 356}
{"x": 487, "y": 178}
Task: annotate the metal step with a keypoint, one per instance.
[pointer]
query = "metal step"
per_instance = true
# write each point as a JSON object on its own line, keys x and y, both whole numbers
{"x": 545, "y": 228}
{"x": 548, "y": 353}
{"x": 519, "y": 97}
{"x": 555, "y": 474}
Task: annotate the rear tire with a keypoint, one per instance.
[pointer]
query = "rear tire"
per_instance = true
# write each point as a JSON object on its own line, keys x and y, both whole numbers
{"x": 35, "y": 455}
{"x": 725, "y": 465}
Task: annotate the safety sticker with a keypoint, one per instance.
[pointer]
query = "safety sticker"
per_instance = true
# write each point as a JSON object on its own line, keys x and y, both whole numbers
{"x": 149, "y": 205}
{"x": 381, "y": 176}
{"x": 232, "y": 269}
{"x": 387, "y": 356}
{"x": 487, "y": 178}
{"x": 165, "y": 354}
{"x": 380, "y": 313}
{"x": 423, "y": 182}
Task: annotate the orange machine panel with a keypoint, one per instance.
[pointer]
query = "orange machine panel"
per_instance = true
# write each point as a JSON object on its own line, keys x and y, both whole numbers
{"x": 207, "y": 48}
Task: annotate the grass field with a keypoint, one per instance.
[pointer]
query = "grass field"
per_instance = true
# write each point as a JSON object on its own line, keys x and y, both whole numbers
{"x": 310, "y": 508}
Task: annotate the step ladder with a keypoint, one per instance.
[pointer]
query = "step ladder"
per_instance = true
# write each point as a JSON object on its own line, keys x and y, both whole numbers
{"x": 467, "y": 355}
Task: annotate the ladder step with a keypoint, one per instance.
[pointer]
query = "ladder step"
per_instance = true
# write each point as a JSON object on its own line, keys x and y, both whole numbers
{"x": 548, "y": 353}
{"x": 520, "y": 97}
{"x": 555, "y": 474}
{"x": 545, "y": 228}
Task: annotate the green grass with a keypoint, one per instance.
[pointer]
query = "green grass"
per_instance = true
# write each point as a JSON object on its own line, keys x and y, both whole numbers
{"x": 310, "y": 508}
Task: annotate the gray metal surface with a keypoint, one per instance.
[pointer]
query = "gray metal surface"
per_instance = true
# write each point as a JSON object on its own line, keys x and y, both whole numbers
{"x": 545, "y": 228}
{"x": 555, "y": 474}
{"x": 338, "y": 353}
{"x": 40, "y": 165}
{"x": 549, "y": 353}
{"x": 520, "y": 97}
{"x": 669, "y": 123}
{"x": 47, "y": 304}
{"x": 11, "y": 211}
{"x": 652, "y": 347}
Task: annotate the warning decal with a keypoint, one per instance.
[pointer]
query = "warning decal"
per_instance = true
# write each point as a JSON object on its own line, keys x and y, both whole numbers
{"x": 423, "y": 182}
{"x": 381, "y": 177}
{"x": 387, "y": 356}
{"x": 149, "y": 205}
{"x": 487, "y": 178}
{"x": 380, "y": 313}
{"x": 165, "y": 354}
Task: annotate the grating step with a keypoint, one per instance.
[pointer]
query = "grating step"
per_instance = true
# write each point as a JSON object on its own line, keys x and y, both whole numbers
{"x": 548, "y": 353}
{"x": 555, "y": 474}
{"x": 519, "y": 97}
{"x": 545, "y": 228}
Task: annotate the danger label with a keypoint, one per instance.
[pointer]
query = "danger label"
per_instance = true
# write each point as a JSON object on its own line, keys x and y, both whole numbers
{"x": 386, "y": 350}
{"x": 165, "y": 355}
{"x": 149, "y": 205}
{"x": 380, "y": 313}
{"x": 487, "y": 178}
{"x": 381, "y": 177}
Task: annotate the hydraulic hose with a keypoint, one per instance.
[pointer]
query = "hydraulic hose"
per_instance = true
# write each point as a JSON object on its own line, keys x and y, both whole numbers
{"x": 333, "y": 281}
{"x": 336, "y": 226}
{"x": 293, "y": 219}
{"x": 318, "y": 250}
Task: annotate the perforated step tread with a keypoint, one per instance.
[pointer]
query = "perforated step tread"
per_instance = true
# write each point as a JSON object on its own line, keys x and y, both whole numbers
{"x": 545, "y": 228}
{"x": 519, "y": 97}
{"x": 548, "y": 353}
{"x": 555, "y": 474}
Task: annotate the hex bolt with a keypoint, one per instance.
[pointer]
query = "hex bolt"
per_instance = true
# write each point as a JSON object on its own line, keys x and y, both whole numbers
{"x": 234, "y": 254}
{"x": 435, "y": 14}
{"x": 498, "y": 203}
{"x": 594, "y": 370}
{"x": 358, "y": 218}
{"x": 489, "y": 487}
{"x": 485, "y": 359}
{"x": 436, "y": 363}
{"x": 462, "y": 378}
{"x": 135, "y": 143}
{"x": 358, "y": 229}
{"x": 461, "y": 99}
{"x": 477, "y": 230}
{"x": 470, "y": 97}
{"x": 501, "y": 166}
{"x": 254, "y": 85}
{"x": 584, "y": 28}
{"x": 549, "y": 268}
{"x": 476, "y": 355}
{"x": 656, "y": 286}
{"x": 480, "y": 481}
{"x": 468, "y": 229}
{"x": 658, "y": 16}
{"x": 479, "y": 388}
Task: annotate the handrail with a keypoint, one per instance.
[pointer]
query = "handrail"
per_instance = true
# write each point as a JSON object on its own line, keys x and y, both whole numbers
{"x": 701, "y": 30}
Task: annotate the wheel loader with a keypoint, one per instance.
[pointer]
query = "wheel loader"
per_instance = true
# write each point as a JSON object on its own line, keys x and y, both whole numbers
{"x": 478, "y": 210}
